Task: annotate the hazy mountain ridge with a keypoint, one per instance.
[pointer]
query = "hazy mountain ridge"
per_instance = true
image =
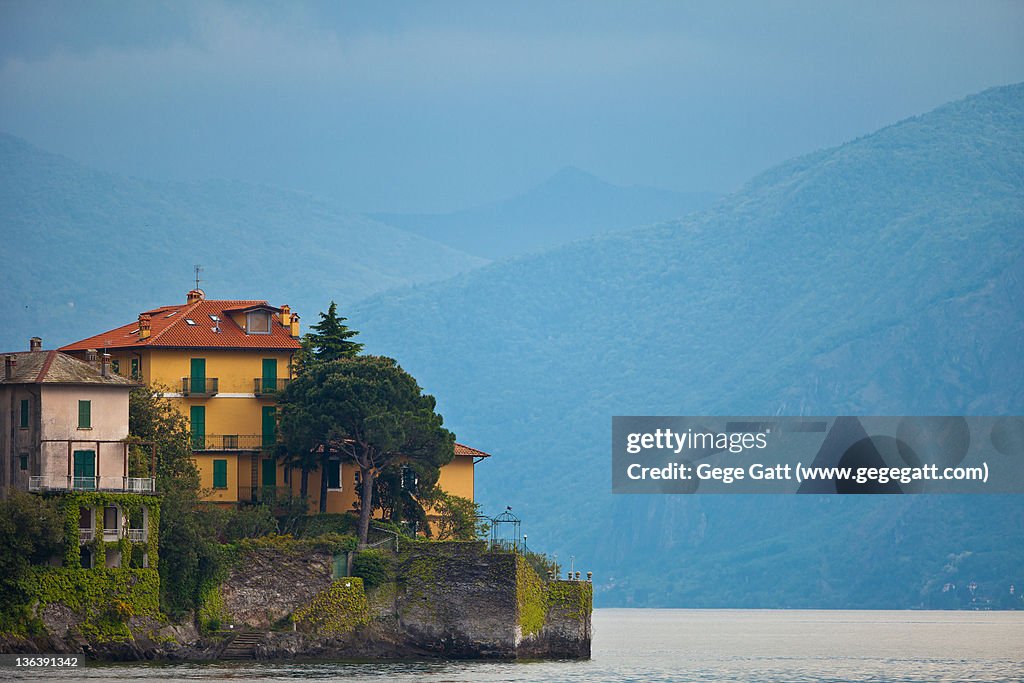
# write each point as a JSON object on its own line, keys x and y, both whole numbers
{"x": 570, "y": 205}
{"x": 884, "y": 276}
{"x": 88, "y": 249}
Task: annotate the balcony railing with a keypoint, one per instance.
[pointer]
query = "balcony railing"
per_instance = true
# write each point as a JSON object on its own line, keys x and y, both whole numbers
{"x": 140, "y": 484}
{"x": 199, "y": 386}
{"x": 65, "y": 483}
{"x": 232, "y": 442}
{"x": 137, "y": 535}
{"x": 269, "y": 386}
{"x": 85, "y": 535}
{"x": 111, "y": 534}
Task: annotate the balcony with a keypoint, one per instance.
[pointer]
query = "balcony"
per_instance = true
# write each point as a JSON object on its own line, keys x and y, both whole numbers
{"x": 232, "y": 442}
{"x": 199, "y": 386}
{"x": 137, "y": 535}
{"x": 269, "y": 386}
{"x": 85, "y": 536}
{"x": 113, "y": 484}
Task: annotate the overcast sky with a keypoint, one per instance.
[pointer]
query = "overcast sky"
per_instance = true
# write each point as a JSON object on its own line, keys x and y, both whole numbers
{"x": 436, "y": 106}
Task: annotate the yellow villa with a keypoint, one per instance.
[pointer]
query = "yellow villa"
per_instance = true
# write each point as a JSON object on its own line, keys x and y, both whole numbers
{"x": 224, "y": 363}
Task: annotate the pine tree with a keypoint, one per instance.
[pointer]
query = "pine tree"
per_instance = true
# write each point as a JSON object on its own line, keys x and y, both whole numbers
{"x": 328, "y": 340}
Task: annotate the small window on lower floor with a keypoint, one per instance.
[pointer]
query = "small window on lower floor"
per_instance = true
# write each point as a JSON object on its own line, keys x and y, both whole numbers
{"x": 23, "y": 461}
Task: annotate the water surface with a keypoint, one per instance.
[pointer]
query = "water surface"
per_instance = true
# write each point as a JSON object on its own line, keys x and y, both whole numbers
{"x": 790, "y": 646}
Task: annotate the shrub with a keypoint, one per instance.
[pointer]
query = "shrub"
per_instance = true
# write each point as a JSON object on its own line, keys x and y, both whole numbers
{"x": 372, "y": 566}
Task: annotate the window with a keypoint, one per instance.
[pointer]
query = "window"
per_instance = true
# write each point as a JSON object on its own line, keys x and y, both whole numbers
{"x": 220, "y": 474}
{"x": 24, "y": 413}
{"x": 334, "y": 474}
{"x": 110, "y": 518}
{"x": 115, "y": 365}
{"x": 135, "y": 368}
{"x": 85, "y": 414}
{"x": 23, "y": 458}
{"x": 197, "y": 425}
{"x": 257, "y": 322}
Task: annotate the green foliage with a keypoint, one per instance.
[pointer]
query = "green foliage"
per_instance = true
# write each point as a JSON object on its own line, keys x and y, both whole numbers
{"x": 531, "y": 596}
{"x": 190, "y": 555}
{"x": 105, "y": 599}
{"x": 211, "y": 613}
{"x": 249, "y": 521}
{"x": 457, "y": 518}
{"x": 337, "y": 611}
{"x": 153, "y": 418}
{"x": 31, "y": 531}
{"x": 369, "y": 411}
{"x": 542, "y": 564}
{"x": 329, "y": 542}
{"x": 574, "y": 598}
{"x": 328, "y": 340}
{"x": 372, "y": 566}
{"x": 339, "y": 523}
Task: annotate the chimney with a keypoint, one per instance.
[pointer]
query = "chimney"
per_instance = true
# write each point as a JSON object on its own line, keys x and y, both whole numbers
{"x": 10, "y": 366}
{"x": 286, "y": 315}
{"x": 35, "y": 344}
{"x": 105, "y": 365}
{"x": 90, "y": 357}
{"x": 144, "y": 326}
{"x": 295, "y": 325}
{"x": 194, "y": 296}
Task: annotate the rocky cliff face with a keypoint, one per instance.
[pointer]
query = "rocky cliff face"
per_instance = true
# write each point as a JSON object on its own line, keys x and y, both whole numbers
{"x": 452, "y": 600}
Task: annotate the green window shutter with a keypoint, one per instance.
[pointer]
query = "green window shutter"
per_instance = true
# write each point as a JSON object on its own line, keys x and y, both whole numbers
{"x": 333, "y": 474}
{"x": 85, "y": 414}
{"x": 115, "y": 365}
{"x": 85, "y": 470}
{"x": 269, "y": 374}
{"x": 269, "y": 472}
{"x": 197, "y": 372}
{"x": 24, "y": 461}
{"x": 24, "y": 412}
{"x": 269, "y": 426}
{"x": 197, "y": 420}
{"x": 220, "y": 474}
{"x": 135, "y": 368}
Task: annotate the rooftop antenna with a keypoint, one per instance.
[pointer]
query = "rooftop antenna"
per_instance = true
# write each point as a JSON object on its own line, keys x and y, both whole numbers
{"x": 198, "y": 268}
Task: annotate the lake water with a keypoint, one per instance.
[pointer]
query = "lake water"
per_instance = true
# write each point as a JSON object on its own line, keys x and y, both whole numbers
{"x": 691, "y": 645}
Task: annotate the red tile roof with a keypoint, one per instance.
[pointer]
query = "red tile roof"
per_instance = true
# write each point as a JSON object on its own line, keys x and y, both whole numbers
{"x": 170, "y": 329}
{"x": 462, "y": 449}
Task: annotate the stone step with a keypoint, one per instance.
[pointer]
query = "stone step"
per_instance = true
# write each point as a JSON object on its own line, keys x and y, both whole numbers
{"x": 242, "y": 646}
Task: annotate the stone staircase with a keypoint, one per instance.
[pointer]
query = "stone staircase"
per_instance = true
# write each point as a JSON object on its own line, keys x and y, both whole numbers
{"x": 242, "y": 646}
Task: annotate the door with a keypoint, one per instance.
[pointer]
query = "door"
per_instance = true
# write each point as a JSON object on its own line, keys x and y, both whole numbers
{"x": 269, "y": 374}
{"x": 85, "y": 471}
{"x": 197, "y": 418}
{"x": 269, "y": 426}
{"x": 197, "y": 374}
{"x": 269, "y": 472}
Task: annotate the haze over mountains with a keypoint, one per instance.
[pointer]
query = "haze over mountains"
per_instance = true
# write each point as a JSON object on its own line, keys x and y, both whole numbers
{"x": 884, "y": 276}
{"x": 88, "y": 250}
{"x": 570, "y": 205}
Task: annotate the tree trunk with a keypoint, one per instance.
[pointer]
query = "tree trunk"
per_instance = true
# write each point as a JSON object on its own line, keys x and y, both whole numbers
{"x": 366, "y": 509}
{"x": 323, "y": 483}
{"x": 304, "y": 485}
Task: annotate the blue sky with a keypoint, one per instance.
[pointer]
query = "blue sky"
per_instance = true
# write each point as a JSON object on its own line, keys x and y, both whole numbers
{"x": 436, "y": 106}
